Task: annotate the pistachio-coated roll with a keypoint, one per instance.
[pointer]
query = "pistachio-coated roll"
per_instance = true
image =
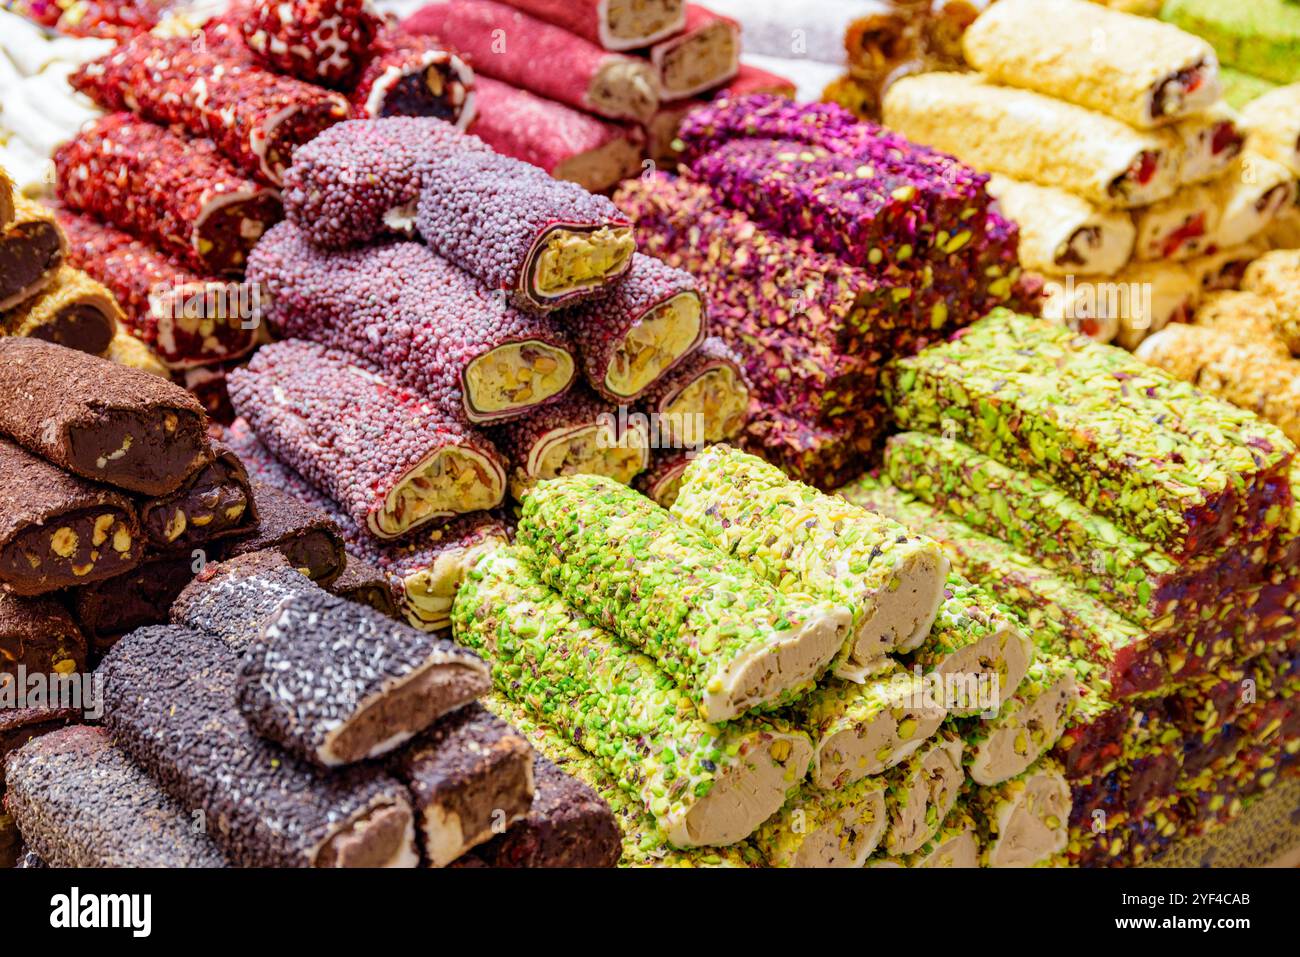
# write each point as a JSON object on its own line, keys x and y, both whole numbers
{"x": 825, "y": 828}
{"x": 1030, "y": 722}
{"x": 731, "y": 641}
{"x": 921, "y": 791}
{"x": 1024, "y": 821}
{"x": 1064, "y": 233}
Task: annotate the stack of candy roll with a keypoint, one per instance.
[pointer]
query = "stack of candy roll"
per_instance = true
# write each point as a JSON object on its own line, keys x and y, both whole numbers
{"x": 73, "y": 311}
{"x": 32, "y": 250}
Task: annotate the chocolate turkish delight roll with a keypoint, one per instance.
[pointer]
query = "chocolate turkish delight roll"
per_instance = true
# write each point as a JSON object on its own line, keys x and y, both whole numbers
{"x": 99, "y": 420}
{"x": 57, "y": 530}
{"x": 921, "y": 791}
{"x": 705, "y": 398}
{"x": 1251, "y": 195}
{"x": 255, "y": 118}
{"x": 408, "y": 75}
{"x": 322, "y": 413}
{"x": 704, "y": 55}
{"x": 568, "y": 144}
{"x": 181, "y": 195}
{"x": 726, "y": 780}
{"x": 544, "y": 59}
{"x": 646, "y": 325}
{"x": 547, "y": 243}
{"x": 756, "y": 646}
{"x": 186, "y": 318}
{"x": 32, "y": 248}
{"x": 20, "y": 725}
{"x": 318, "y": 41}
{"x": 215, "y": 502}
{"x": 367, "y": 585}
{"x": 1273, "y": 127}
{"x": 38, "y": 635}
{"x": 1023, "y": 821}
{"x": 1211, "y": 141}
{"x": 613, "y": 24}
{"x": 891, "y": 580}
{"x": 273, "y": 810}
{"x": 109, "y": 609}
{"x": 81, "y": 802}
{"x": 1063, "y": 233}
{"x": 818, "y": 828}
{"x": 663, "y": 479}
{"x": 467, "y": 351}
{"x": 309, "y": 539}
{"x": 335, "y": 682}
{"x": 1136, "y": 69}
{"x": 580, "y": 434}
{"x": 73, "y": 311}
{"x": 471, "y": 777}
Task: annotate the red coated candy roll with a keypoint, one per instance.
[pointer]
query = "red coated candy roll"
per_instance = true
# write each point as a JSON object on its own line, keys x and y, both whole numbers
{"x": 704, "y": 399}
{"x": 392, "y": 460}
{"x": 704, "y": 55}
{"x": 256, "y": 118}
{"x": 614, "y": 24}
{"x": 181, "y": 195}
{"x": 319, "y": 41}
{"x": 187, "y": 319}
{"x": 409, "y": 75}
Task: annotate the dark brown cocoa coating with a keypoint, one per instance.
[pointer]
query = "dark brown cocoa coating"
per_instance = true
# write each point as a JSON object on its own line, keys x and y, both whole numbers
{"x": 308, "y": 539}
{"x": 11, "y": 844}
{"x": 78, "y": 326}
{"x": 57, "y": 530}
{"x": 470, "y": 767}
{"x": 215, "y": 502}
{"x": 232, "y": 599}
{"x": 20, "y": 725}
{"x": 364, "y": 583}
{"x": 39, "y": 635}
{"x": 30, "y": 252}
{"x": 569, "y": 825}
{"x": 143, "y": 596}
{"x": 263, "y": 807}
{"x": 98, "y": 419}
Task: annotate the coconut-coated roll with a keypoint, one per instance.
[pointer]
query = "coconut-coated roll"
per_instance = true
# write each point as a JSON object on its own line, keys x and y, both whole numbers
{"x": 1064, "y": 233}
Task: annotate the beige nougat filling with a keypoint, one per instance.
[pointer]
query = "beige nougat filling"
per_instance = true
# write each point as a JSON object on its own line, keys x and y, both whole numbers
{"x": 633, "y": 19}
{"x": 516, "y": 376}
{"x": 574, "y": 259}
{"x": 654, "y": 343}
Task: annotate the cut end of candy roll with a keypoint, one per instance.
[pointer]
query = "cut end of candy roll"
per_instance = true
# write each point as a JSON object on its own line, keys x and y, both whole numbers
{"x": 956, "y": 845}
{"x": 655, "y": 343}
{"x": 584, "y": 448}
{"x": 417, "y": 77}
{"x": 720, "y": 395}
{"x": 631, "y": 24}
{"x": 430, "y": 590}
{"x": 921, "y": 793}
{"x": 1014, "y": 744}
{"x": 747, "y": 792}
{"x": 31, "y": 253}
{"x": 1005, "y": 653}
{"x": 450, "y": 482}
{"x": 273, "y": 144}
{"x": 382, "y": 835}
{"x": 705, "y": 55}
{"x": 568, "y": 260}
{"x": 515, "y": 376}
{"x": 904, "y": 610}
{"x": 624, "y": 87}
{"x": 818, "y": 828}
{"x": 1034, "y": 824}
{"x": 142, "y": 452}
{"x": 663, "y": 479}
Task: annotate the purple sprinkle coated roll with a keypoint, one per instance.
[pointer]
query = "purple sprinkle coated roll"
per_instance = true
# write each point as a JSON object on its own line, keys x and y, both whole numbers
{"x": 646, "y": 325}
{"x": 423, "y": 322}
{"x": 710, "y": 382}
{"x": 546, "y": 242}
{"x": 393, "y": 460}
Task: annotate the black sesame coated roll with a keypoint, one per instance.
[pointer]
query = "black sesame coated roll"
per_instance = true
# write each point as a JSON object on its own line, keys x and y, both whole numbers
{"x": 235, "y": 598}
{"x": 308, "y": 538}
{"x": 264, "y": 808}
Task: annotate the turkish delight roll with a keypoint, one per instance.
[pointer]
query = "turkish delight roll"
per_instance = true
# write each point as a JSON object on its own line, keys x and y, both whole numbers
{"x": 1033, "y": 137}
{"x": 955, "y": 844}
{"x": 367, "y": 585}
{"x": 1125, "y": 308}
{"x": 73, "y": 311}
{"x": 272, "y": 809}
{"x": 186, "y": 318}
{"x": 921, "y": 791}
{"x": 32, "y": 249}
{"x": 1211, "y": 141}
{"x": 39, "y": 635}
{"x": 468, "y": 354}
{"x": 578, "y": 435}
{"x": 215, "y": 502}
{"x": 891, "y": 580}
{"x": 613, "y": 24}
{"x": 1276, "y": 276}
{"x": 705, "y": 398}
{"x": 729, "y": 654}
{"x": 319, "y": 41}
{"x": 82, "y": 802}
{"x": 408, "y": 75}
{"x": 704, "y": 55}
{"x": 1273, "y": 126}
{"x": 549, "y": 61}
{"x": 568, "y": 144}
{"x": 391, "y": 459}
{"x": 1064, "y": 233}
{"x": 57, "y": 530}
{"x": 109, "y": 609}
{"x": 180, "y": 195}
{"x": 1180, "y": 227}
{"x": 1138, "y": 70}
{"x": 1029, "y": 724}
{"x": 1262, "y": 37}
{"x": 862, "y": 729}
{"x": 722, "y": 781}
{"x": 255, "y": 118}
{"x": 1253, "y": 193}
{"x": 547, "y": 243}
{"x": 1023, "y": 822}
{"x": 818, "y": 828}
{"x": 308, "y": 538}
{"x": 647, "y": 325}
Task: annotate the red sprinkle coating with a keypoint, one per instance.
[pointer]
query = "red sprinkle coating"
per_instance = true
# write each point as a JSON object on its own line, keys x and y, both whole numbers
{"x": 319, "y": 41}
{"x": 590, "y": 19}
{"x": 348, "y": 432}
{"x": 181, "y": 195}
{"x": 400, "y": 307}
{"x": 819, "y": 456}
{"x": 410, "y": 75}
{"x": 255, "y": 117}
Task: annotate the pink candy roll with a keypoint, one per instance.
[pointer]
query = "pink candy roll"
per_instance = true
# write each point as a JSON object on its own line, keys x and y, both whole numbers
{"x": 704, "y": 399}
{"x": 704, "y": 55}
{"x": 410, "y": 75}
{"x": 612, "y": 24}
{"x": 750, "y": 79}
{"x": 570, "y": 145}
{"x": 319, "y": 41}
{"x": 544, "y": 59}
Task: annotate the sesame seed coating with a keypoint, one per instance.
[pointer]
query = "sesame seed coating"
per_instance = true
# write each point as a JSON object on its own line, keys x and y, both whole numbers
{"x": 421, "y": 320}
{"x": 362, "y": 440}
{"x": 263, "y": 807}
{"x": 81, "y": 802}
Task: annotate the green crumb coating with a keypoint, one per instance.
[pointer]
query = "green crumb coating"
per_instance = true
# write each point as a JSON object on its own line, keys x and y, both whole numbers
{"x": 817, "y": 826}
{"x": 1024, "y": 821}
{"x": 1241, "y": 88}
{"x": 956, "y": 844}
{"x": 1168, "y": 463}
{"x": 921, "y": 791}
{"x": 1262, "y": 36}
{"x": 805, "y": 541}
{"x": 1037, "y": 518}
{"x": 614, "y": 703}
{"x": 635, "y": 569}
